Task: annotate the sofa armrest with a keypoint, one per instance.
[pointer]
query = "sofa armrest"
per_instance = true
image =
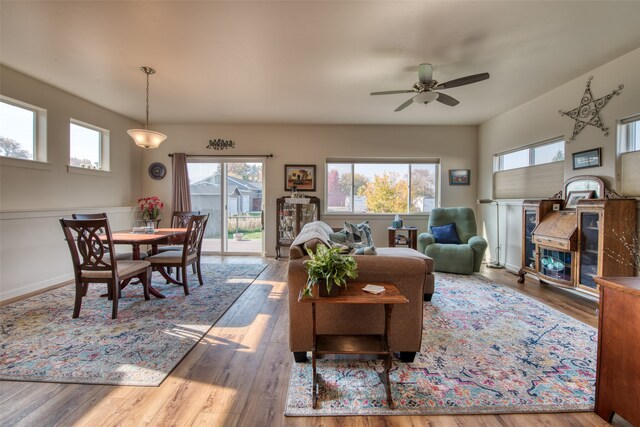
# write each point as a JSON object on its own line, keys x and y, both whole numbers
{"x": 424, "y": 240}
{"x": 479, "y": 246}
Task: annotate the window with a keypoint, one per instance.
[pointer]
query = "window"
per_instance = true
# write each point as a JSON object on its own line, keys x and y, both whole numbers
{"x": 537, "y": 154}
{"x": 630, "y": 134}
{"x": 374, "y": 187}
{"x": 88, "y": 146}
{"x": 21, "y": 130}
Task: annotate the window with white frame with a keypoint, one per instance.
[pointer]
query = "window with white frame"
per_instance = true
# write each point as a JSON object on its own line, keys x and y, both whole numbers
{"x": 384, "y": 187}
{"x": 21, "y": 130}
{"x": 630, "y": 134}
{"x": 536, "y": 154}
{"x": 88, "y": 146}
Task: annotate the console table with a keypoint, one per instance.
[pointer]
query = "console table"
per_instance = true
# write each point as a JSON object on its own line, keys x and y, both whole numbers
{"x": 355, "y": 344}
{"x": 618, "y": 371}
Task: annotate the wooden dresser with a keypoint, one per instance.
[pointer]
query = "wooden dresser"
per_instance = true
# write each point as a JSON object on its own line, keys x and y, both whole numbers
{"x": 618, "y": 372}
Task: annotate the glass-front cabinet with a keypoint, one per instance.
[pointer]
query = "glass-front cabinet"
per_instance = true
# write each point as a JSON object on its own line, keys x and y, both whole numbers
{"x": 589, "y": 248}
{"x": 532, "y": 211}
{"x": 293, "y": 214}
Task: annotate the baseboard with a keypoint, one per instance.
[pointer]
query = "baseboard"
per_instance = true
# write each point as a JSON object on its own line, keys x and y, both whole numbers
{"x": 34, "y": 289}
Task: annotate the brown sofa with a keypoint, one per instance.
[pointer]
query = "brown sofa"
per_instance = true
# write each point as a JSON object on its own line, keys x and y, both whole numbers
{"x": 410, "y": 270}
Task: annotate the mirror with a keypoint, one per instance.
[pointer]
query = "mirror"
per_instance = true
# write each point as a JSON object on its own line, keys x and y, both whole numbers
{"x": 584, "y": 183}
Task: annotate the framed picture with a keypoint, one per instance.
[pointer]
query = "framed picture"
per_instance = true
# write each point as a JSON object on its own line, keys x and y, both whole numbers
{"x": 300, "y": 177}
{"x": 587, "y": 159}
{"x": 459, "y": 176}
{"x": 574, "y": 196}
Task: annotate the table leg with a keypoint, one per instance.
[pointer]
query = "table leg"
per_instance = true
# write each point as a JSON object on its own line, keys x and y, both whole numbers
{"x": 387, "y": 360}
{"x": 135, "y": 248}
{"x": 314, "y": 394}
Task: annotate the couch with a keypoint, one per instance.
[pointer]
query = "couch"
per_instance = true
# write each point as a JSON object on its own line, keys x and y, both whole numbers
{"x": 408, "y": 269}
{"x": 463, "y": 257}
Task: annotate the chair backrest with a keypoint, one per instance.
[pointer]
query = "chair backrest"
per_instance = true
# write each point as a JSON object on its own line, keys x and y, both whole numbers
{"x": 195, "y": 234}
{"x": 89, "y": 216}
{"x": 180, "y": 219}
{"x": 88, "y": 251}
{"x": 463, "y": 218}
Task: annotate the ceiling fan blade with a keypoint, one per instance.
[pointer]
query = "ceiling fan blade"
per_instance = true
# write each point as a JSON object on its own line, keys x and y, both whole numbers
{"x": 425, "y": 73}
{"x": 463, "y": 81}
{"x": 390, "y": 92}
{"x": 404, "y": 105}
{"x": 447, "y": 100}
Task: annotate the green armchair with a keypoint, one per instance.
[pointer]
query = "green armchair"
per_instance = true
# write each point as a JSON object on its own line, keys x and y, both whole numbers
{"x": 463, "y": 257}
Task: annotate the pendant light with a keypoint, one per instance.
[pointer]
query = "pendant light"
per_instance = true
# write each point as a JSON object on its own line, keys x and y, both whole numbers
{"x": 144, "y": 137}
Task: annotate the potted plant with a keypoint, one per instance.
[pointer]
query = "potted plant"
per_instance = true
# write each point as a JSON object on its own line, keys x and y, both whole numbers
{"x": 150, "y": 207}
{"x": 327, "y": 267}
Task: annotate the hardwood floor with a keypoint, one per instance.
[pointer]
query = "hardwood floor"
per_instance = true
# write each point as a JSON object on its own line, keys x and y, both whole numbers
{"x": 238, "y": 374}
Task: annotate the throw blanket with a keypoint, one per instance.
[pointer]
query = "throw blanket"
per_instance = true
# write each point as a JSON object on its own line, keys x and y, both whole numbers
{"x": 313, "y": 230}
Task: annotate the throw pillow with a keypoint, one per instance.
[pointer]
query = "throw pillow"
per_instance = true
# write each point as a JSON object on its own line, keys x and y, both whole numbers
{"x": 367, "y": 250}
{"x": 445, "y": 234}
{"x": 358, "y": 235}
{"x": 339, "y": 237}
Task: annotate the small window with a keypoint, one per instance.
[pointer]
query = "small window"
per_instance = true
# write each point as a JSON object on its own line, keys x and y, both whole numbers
{"x": 18, "y": 130}
{"x": 630, "y": 134}
{"x": 536, "y": 154}
{"x": 88, "y": 146}
{"x": 357, "y": 187}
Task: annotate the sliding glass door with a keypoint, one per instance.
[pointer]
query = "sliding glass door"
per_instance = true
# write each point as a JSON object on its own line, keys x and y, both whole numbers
{"x": 231, "y": 191}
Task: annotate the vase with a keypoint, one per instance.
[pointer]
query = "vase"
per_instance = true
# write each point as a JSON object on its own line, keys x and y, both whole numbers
{"x": 323, "y": 292}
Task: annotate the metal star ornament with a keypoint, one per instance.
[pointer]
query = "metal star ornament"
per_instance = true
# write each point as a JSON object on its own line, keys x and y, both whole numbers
{"x": 588, "y": 112}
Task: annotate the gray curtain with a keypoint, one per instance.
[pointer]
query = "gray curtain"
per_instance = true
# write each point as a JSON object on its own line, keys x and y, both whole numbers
{"x": 181, "y": 195}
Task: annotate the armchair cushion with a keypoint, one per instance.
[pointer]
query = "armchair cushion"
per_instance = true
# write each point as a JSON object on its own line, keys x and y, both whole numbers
{"x": 445, "y": 234}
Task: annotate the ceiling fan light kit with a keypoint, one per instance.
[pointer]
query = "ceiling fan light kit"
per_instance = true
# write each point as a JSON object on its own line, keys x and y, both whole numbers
{"x": 146, "y": 138}
{"x": 426, "y": 88}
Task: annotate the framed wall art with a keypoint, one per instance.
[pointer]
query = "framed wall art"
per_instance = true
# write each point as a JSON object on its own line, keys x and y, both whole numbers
{"x": 587, "y": 159}
{"x": 574, "y": 196}
{"x": 459, "y": 176}
{"x": 300, "y": 177}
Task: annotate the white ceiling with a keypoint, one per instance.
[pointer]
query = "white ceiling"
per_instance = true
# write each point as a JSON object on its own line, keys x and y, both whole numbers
{"x": 310, "y": 62}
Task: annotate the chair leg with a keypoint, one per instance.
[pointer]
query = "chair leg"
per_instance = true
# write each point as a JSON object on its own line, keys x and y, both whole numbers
{"x": 197, "y": 266}
{"x": 115, "y": 291}
{"x": 145, "y": 278}
{"x": 80, "y": 289}
{"x": 185, "y": 279}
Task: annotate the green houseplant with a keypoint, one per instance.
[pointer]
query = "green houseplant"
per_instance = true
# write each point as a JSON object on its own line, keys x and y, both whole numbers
{"x": 329, "y": 267}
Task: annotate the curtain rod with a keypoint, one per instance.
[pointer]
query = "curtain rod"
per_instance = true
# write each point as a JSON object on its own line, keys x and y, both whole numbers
{"x": 268, "y": 156}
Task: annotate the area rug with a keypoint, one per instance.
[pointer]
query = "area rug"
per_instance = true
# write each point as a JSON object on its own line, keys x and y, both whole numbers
{"x": 39, "y": 341}
{"x": 485, "y": 349}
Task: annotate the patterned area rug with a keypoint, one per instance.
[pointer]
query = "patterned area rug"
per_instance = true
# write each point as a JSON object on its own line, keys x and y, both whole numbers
{"x": 39, "y": 341}
{"x": 485, "y": 349}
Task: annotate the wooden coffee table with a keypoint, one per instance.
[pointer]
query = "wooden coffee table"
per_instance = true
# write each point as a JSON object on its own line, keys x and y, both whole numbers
{"x": 375, "y": 344}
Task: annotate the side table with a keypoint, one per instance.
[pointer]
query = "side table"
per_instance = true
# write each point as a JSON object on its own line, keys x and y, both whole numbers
{"x": 618, "y": 371}
{"x": 412, "y": 233}
{"x": 355, "y": 344}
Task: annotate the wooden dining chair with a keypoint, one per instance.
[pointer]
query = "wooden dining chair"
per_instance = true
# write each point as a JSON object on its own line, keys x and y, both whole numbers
{"x": 92, "y": 262}
{"x": 120, "y": 256}
{"x": 187, "y": 254}
{"x": 179, "y": 219}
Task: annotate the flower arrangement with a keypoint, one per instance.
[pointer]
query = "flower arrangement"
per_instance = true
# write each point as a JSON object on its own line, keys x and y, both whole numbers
{"x": 150, "y": 207}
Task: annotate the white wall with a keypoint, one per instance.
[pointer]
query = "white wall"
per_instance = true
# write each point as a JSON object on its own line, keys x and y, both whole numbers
{"x": 538, "y": 120}
{"x": 312, "y": 144}
{"x": 33, "y": 254}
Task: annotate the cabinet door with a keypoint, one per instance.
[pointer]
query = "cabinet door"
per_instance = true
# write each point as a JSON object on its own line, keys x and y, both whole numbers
{"x": 589, "y": 244}
{"x": 556, "y": 265}
{"x": 530, "y": 222}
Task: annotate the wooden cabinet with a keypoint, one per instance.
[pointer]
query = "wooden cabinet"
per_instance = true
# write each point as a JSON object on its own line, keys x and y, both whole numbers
{"x": 293, "y": 214}
{"x": 570, "y": 247}
{"x": 618, "y": 371}
{"x": 532, "y": 211}
{"x": 606, "y": 230}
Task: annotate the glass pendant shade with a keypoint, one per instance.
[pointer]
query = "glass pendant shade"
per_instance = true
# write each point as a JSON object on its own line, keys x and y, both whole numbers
{"x": 425, "y": 97}
{"x": 146, "y": 138}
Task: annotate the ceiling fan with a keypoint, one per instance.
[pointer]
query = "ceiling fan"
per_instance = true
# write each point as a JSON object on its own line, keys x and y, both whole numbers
{"x": 426, "y": 88}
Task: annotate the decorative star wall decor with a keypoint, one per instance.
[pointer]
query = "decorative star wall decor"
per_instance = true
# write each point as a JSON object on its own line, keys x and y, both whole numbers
{"x": 588, "y": 112}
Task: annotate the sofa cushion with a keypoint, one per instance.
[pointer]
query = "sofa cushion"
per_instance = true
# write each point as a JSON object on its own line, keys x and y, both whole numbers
{"x": 366, "y": 250}
{"x": 445, "y": 233}
{"x": 406, "y": 253}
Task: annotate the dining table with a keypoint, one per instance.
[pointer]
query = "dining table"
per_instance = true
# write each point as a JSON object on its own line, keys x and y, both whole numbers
{"x": 160, "y": 236}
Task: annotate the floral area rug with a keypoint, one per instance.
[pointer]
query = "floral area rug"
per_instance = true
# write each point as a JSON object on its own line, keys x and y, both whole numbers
{"x": 39, "y": 341}
{"x": 485, "y": 349}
